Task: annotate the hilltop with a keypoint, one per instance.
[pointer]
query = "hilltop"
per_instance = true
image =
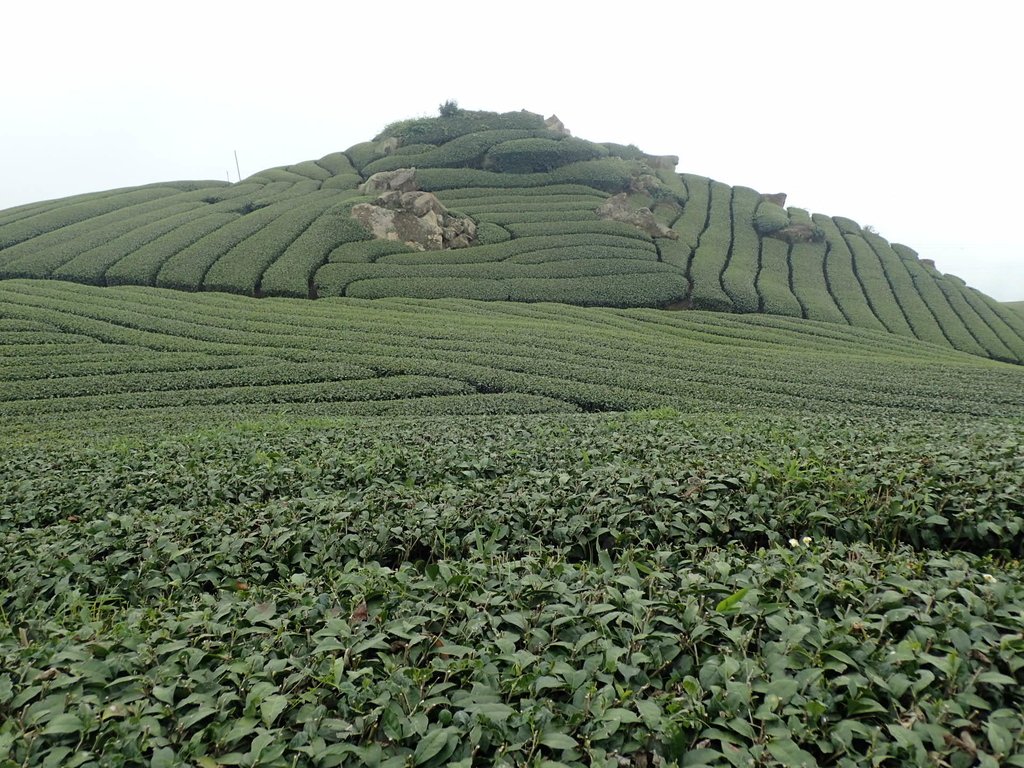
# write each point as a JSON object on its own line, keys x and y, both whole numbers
{"x": 504, "y": 207}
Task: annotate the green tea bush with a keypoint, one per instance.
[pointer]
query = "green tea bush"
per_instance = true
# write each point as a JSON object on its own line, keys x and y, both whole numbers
{"x": 440, "y": 179}
{"x": 65, "y": 216}
{"x": 140, "y": 267}
{"x": 807, "y": 270}
{"x": 847, "y": 226}
{"x": 337, "y": 164}
{"x": 363, "y": 249}
{"x": 187, "y": 268}
{"x": 91, "y": 266}
{"x": 876, "y": 286}
{"x": 919, "y": 317}
{"x": 976, "y": 325}
{"x": 438, "y": 130}
{"x": 540, "y": 155}
{"x": 712, "y": 253}
{"x": 345, "y": 181}
{"x": 842, "y": 279}
{"x": 511, "y": 195}
{"x": 740, "y": 273}
{"x": 1000, "y": 322}
{"x": 610, "y": 174}
{"x": 565, "y": 216}
{"x": 773, "y": 280}
{"x": 240, "y": 269}
{"x": 500, "y": 251}
{"x": 953, "y": 327}
{"x": 291, "y": 274}
{"x": 40, "y": 256}
{"x": 277, "y": 174}
{"x": 467, "y": 151}
{"x": 310, "y": 169}
{"x": 598, "y": 227}
{"x": 691, "y": 222}
{"x": 488, "y": 233}
{"x": 362, "y": 154}
{"x": 770, "y": 218}
{"x": 567, "y": 253}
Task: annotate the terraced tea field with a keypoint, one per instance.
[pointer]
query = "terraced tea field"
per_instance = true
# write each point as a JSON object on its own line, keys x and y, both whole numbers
{"x": 533, "y": 195}
{"x": 77, "y": 355}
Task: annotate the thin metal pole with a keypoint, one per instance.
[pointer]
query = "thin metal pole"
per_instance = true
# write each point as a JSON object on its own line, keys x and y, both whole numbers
{"x": 236, "y": 166}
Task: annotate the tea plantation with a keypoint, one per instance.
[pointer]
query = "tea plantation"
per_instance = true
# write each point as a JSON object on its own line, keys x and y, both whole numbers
{"x": 414, "y": 523}
{"x": 533, "y": 194}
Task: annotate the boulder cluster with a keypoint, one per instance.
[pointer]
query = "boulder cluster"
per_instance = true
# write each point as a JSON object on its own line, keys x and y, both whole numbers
{"x": 403, "y": 212}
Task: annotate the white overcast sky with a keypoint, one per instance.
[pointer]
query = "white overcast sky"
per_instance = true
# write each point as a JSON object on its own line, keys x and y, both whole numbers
{"x": 901, "y": 114}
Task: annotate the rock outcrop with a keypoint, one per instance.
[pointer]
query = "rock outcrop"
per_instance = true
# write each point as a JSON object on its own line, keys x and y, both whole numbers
{"x": 779, "y": 198}
{"x": 618, "y": 208}
{"x": 554, "y": 124}
{"x": 405, "y": 213}
{"x": 798, "y": 233}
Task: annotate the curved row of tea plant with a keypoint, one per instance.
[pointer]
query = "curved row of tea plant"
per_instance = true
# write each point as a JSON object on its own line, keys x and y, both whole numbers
{"x": 74, "y": 353}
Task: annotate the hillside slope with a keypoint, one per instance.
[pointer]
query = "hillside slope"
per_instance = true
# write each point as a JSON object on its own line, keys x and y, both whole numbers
{"x": 555, "y": 218}
{"x": 79, "y": 357}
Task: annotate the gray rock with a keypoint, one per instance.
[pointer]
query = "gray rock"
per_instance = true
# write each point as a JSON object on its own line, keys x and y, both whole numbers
{"x": 554, "y": 124}
{"x": 405, "y": 213}
{"x": 618, "y": 208}
{"x": 398, "y": 180}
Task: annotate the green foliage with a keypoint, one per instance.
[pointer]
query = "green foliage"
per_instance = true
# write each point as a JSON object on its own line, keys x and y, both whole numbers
{"x": 807, "y": 271}
{"x": 841, "y": 277}
{"x": 741, "y": 269}
{"x": 311, "y": 170}
{"x": 337, "y": 164}
{"x": 362, "y": 249}
{"x": 240, "y": 269}
{"x": 521, "y": 280}
{"x": 140, "y": 267}
{"x": 39, "y": 256}
{"x": 438, "y": 130}
{"x": 773, "y": 280}
{"x": 770, "y": 218}
{"x": 291, "y": 274}
{"x": 712, "y": 253}
{"x": 921, "y": 320}
{"x": 876, "y": 285}
{"x": 186, "y": 269}
{"x": 610, "y": 174}
{"x": 956, "y": 296}
{"x": 540, "y": 155}
{"x": 488, "y": 233}
{"x": 516, "y": 589}
{"x": 467, "y": 151}
{"x": 598, "y": 227}
{"x": 90, "y": 207}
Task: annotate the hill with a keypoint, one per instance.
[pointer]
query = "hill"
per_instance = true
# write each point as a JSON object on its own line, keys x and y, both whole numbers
{"x": 1017, "y": 306}
{"x": 531, "y": 214}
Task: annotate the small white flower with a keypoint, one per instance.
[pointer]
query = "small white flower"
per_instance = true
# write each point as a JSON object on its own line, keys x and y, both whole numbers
{"x": 794, "y": 543}
{"x": 806, "y": 540}
{"x": 989, "y": 578}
